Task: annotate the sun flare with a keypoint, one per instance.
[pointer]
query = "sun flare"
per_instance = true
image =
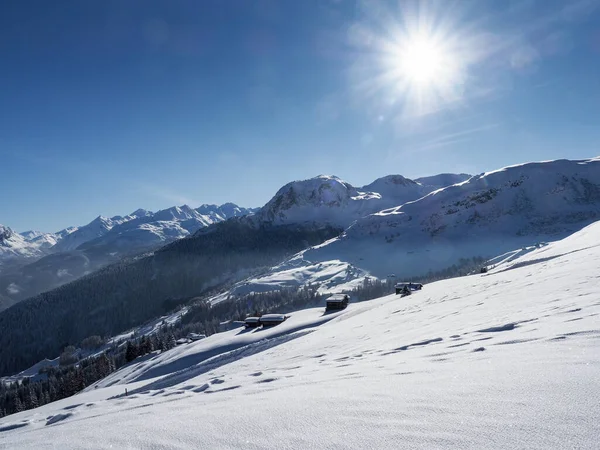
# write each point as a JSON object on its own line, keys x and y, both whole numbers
{"x": 422, "y": 61}
{"x": 415, "y": 62}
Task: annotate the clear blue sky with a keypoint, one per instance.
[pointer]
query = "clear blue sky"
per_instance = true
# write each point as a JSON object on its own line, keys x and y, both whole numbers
{"x": 109, "y": 106}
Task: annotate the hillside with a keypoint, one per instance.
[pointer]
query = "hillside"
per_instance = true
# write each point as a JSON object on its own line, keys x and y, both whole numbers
{"x": 484, "y": 216}
{"x": 503, "y": 360}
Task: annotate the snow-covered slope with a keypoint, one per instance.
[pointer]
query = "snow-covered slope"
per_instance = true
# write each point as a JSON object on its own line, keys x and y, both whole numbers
{"x": 398, "y": 188}
{"x": 14, "y": 247}
{"x": 481, "y": 217}
{"x": 508, "y": 359}
{"x": 326, "y": 277}
{"x": 442, "y": 180}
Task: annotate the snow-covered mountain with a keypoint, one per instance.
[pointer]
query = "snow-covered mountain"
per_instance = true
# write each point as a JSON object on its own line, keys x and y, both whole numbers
{"x": 96, "y": 228}
{"x": 508, "y": 359}
{"x": 483, "y": 216}
{"x": 224, "y": 211}
{"x": 15, "y": 248}
{"x": 328, "y": 199}
{"x": 43, "y": 261}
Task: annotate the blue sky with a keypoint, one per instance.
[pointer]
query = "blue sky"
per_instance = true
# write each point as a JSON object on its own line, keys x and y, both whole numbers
{"x": 109, "y": 106}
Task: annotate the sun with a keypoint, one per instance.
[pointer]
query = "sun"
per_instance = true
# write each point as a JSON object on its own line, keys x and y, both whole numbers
{"x": 423, "y": 64}
{"x": 415, "y": 62}
{"x": 422, "y": 61}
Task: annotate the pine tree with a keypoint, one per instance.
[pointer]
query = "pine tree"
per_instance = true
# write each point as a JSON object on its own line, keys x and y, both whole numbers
{"x": 130, "y": 352}
{"x": 171, "y": 343}
{"x": 18, "y": 404}
{"x": 31, "y": 398}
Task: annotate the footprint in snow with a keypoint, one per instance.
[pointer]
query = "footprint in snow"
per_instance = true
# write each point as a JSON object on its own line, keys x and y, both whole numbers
{"x": 256, "y": 374}
{"x": 267, "y": 380}
{"x": 217, "y": 381}
{"x": 230, "y": 388}
{"x": 506, "y": 327}
{"x": 168, "y": 394}
{"x": 13, "y": 426}
{"x": 459, "y": 345}
{"x": 202, "y": 388}
{"x": 66, "y": 408}
{"x": 50, "y": 420}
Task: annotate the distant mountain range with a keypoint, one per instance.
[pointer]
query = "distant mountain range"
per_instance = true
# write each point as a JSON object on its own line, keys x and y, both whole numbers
{"x": 33, "y": 262}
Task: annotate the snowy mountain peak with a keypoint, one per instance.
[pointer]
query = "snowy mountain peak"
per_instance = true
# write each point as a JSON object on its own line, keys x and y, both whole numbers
{"x": 5, "y": 234}
{"x": 224, "y": 211}
{"x": 329, "y": 199}
{"x": 140, "y": 213}
{"x": 389, "y": 180}
{"x": 13, "y": 245}
{"x": 30, "y": 234}
{"x": 317, "y": 199}
{"x": 103, "y": 221}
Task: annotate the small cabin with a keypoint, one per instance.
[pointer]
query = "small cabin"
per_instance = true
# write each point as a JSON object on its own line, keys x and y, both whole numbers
{"x": 337, "y": 301}
{"x": 195, "y": 336}
{"x": 252, "y": 322}
{"x": 270, "y": 320}
{"x": 411, "y": 286}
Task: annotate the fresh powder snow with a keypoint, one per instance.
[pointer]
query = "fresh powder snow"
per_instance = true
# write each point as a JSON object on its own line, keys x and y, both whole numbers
{"x": 506, "y": 359}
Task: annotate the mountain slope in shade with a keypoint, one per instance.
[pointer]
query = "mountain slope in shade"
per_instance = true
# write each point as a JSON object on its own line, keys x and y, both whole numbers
{"x": 483, "y": 216}
{"x": 503, "y": 360}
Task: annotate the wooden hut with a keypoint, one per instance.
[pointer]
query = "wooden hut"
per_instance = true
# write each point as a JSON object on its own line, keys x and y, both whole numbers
{"x": 252, "y": 322}
{"x": 337, "y": 301}
{"x": 270, "y": 320}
